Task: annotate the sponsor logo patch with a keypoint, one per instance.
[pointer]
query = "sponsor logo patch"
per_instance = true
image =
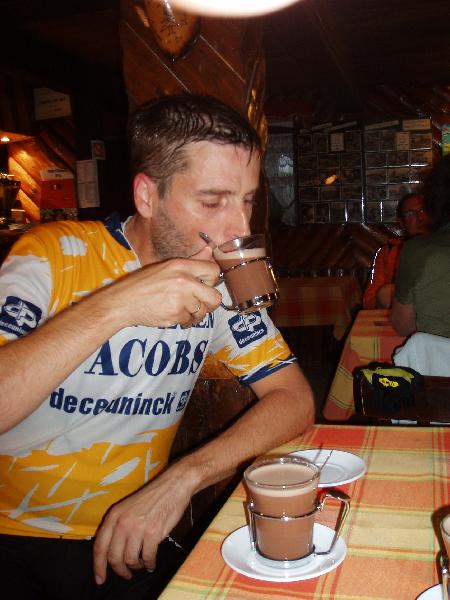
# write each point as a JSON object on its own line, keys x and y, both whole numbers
{"x": 247, "y": 328}
{"x": 19, "y": 316}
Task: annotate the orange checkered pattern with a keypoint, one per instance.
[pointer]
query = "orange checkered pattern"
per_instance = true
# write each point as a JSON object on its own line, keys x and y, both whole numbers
{"x": 391, "y": 531}
{"x": 371, "y": 338}
{"x": 317, "y": 301}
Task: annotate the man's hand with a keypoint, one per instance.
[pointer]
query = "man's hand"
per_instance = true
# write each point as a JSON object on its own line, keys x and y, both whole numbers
{"x": 129, "y": 536}
{"x": 178, "y": 290}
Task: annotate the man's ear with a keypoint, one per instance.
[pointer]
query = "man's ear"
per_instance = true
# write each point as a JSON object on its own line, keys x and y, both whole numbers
{"x": 146, "y": 195}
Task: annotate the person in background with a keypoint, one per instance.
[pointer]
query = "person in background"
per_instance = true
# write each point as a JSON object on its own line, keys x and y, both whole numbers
{"x": 104, "y": 328}
{"x": 414, "y": 221}
{"x": 422, "y": 286}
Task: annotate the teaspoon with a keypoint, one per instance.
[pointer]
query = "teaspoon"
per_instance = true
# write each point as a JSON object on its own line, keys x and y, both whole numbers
{"x": 205, "y": 237}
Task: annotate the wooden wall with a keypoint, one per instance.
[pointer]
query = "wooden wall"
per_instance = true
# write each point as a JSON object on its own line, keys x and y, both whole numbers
{"x": 42, "y": 145}
{"x": 53, "y": 146}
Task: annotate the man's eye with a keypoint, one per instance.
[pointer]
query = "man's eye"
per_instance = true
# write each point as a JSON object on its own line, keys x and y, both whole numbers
{"x": 210, "y": 204}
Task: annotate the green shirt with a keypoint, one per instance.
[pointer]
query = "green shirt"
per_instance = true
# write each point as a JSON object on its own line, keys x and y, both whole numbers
{"x": 423, "y": 280}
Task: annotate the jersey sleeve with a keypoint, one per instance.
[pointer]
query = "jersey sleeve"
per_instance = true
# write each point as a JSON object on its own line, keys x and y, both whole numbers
{"x": 249, "y": 344}
{"x": 25, "y": 288}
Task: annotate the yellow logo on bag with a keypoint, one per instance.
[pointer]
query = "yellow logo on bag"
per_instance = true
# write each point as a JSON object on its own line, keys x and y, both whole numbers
{"x": 387, "y": 382}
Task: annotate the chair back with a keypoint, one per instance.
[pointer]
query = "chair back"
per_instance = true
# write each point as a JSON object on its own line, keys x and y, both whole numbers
{"x": 430, "y": 405}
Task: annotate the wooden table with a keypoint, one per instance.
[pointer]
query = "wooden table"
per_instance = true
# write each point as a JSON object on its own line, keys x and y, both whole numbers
{"x": 371, "y": 338}
{"x": 390, "y": 532}
{"x": 317, "y": 301}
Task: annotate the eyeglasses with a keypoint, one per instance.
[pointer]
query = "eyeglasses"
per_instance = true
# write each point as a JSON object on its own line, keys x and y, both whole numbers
{"x": 412, "y": 213}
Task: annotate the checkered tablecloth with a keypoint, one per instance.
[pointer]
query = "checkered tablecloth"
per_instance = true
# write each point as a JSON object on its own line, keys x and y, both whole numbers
{"x": 371, "y": 338}
{"x": 391, "y": 531}
{"x": 317, "y": 301}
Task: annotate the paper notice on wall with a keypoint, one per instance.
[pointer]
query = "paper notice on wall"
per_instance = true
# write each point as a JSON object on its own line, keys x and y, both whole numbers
{"x": 416, "y": 124}
{"x": 402, "y": 140}
{"x": 337, "y": 142}
{"x": 87, "y": 184}
{"x": 49, "y": 104}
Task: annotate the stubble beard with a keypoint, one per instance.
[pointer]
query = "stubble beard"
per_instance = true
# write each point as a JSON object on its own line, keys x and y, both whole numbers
{"x": 167, "y": 240}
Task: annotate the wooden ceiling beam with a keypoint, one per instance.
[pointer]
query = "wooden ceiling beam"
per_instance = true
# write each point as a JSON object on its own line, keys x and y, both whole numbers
{"x": 21, "y": 11}
{"x": 45, "y": 65}
{"x": 322, "y": 20}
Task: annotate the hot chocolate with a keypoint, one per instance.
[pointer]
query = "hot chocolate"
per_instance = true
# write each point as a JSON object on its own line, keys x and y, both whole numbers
{"x": 280, "y": 539}
{"x": 283, "y": 489}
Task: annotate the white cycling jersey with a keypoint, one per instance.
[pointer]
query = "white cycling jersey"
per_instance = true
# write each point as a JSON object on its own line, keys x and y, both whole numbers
{"x": 108, "y": 428}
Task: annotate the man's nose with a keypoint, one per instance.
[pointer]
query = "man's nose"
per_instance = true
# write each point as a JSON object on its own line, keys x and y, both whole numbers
{"x": 238, "y": 224}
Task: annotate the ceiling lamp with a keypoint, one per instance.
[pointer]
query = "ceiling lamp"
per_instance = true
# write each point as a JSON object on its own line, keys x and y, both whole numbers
{"x": 230, "y": 8}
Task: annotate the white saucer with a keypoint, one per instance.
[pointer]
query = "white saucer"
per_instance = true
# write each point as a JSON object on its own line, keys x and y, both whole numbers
{"x": 342, "y": 467}
{"x": 238, "y": 554}
{"x": 432, "y": 593}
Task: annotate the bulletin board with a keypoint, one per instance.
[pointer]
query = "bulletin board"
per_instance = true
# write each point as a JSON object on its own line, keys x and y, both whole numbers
{"x": 356, "y": 172}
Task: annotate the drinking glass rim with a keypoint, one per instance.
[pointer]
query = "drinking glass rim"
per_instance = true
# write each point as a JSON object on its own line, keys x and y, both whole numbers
{"x": 282, "y": 460}
{"x": 253, "y": 237}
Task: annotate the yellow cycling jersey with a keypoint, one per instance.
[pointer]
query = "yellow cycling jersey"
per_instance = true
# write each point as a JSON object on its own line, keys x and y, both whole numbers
{"x": 107, "y": 429}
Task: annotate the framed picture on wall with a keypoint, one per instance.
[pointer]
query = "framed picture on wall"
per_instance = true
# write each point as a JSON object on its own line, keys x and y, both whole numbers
{"x": 337, "y": 212}
{"x": 322, "y": 212}
{"x": 389, "y": 212}
{"x": 354, "y": 212}
{"x": 373, "y": 212}
{"x": 307, "y": 213}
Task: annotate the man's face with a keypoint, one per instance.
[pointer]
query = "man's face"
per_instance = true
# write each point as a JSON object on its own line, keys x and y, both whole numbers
{"x": 215, "y": 194}
{"x": 414, "y": 219}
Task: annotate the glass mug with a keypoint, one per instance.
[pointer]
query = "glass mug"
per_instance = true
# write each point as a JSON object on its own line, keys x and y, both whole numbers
{"x": 445, "y": 531}
{"x": 283, "y": 506}
{"x": 247, "y": 273}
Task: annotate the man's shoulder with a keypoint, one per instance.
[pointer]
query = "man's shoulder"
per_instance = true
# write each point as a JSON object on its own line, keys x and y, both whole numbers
{"x": 427, "y": 242}
{"x": 56, "y": 229}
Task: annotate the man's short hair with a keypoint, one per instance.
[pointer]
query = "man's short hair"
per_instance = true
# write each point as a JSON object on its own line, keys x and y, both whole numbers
{"x": 160, "y": 130}
{"x": 436, "y": 191}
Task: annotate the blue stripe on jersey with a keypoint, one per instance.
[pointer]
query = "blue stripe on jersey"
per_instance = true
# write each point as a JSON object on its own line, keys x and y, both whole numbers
{"x": 267, "y": 370}
{"x": 114, "y": 225}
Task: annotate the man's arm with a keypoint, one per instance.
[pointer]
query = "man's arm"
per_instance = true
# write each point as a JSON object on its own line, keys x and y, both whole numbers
{"x": 159, "y": 294}
{"x": 403, "y": 318}
{"x": 129, "y": 536}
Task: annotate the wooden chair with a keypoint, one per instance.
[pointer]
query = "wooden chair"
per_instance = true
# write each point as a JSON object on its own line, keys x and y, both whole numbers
{"x": 431, "y": 402}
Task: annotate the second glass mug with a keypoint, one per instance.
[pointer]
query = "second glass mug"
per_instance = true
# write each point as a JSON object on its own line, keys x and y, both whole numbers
{"x": 282, "y": 515}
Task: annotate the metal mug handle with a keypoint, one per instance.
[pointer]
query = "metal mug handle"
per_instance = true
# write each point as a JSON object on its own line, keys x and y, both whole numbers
{"x": 345, "y": 500}
{"x": 252, "y": 528}
{"x": 444, "y": 571}
{"x": 255, "y": 303}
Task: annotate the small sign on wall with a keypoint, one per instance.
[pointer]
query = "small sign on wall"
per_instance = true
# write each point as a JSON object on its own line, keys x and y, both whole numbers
{"x": 49, "y": 104}
{"x": 58, "y": 189}
{"x": 98, "y": 150}
{"x": 87, "y": 183}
